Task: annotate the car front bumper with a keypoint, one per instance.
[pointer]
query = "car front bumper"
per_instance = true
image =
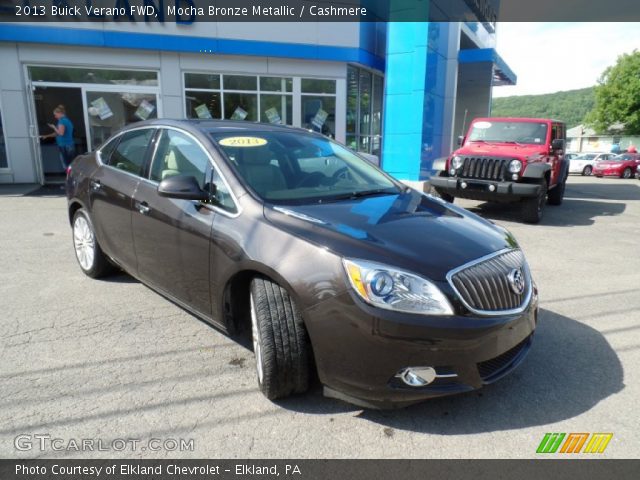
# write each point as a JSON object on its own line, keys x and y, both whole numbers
{"x": 481, "y": 189}
{"x": 610, "y": 172}
{"x": 359, "y": 350}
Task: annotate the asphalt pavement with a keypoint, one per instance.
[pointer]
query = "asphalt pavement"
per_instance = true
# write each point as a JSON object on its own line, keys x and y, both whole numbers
{"x": 111, "y": 360}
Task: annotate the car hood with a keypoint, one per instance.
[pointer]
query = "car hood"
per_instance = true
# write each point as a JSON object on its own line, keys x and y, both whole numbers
{"x": 501, "y": 150}
{"x": 409, "y": 230}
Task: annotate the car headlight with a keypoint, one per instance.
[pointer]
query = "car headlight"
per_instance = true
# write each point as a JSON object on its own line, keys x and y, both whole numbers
{"x": 456, "y": 162}
{"x": 394, "y": 289}
{"x": 515, "y": 166}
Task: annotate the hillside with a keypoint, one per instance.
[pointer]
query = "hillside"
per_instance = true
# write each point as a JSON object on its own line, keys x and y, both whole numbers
{"x": 570, "y": 106}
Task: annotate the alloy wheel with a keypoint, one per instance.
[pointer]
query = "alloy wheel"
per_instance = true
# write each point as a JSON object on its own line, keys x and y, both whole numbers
{"x": 84, "y": 242}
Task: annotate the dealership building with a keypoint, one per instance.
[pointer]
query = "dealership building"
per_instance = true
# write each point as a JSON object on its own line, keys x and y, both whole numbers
{"x": 399, "y": 91}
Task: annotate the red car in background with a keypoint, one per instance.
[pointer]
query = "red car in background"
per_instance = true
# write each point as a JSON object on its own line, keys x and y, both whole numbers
{"x": 623, "y": 166}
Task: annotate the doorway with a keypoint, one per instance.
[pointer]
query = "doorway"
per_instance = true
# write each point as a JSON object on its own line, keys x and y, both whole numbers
{"x": 46, "y": 99}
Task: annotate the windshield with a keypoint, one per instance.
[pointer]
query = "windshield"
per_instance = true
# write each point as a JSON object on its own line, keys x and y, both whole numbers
{"x": 509, "y": 132}
{"x": 294, "y": 167}
{"x": 584, "y": 157}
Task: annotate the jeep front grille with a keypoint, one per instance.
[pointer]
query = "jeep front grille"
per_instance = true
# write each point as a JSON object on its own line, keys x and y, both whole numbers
{"x": 484, "y": 287}
{"x": 484, "y": 168}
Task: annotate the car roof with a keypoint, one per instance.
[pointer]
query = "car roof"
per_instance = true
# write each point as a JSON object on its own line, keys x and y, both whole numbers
{"x": 217, "y": 126}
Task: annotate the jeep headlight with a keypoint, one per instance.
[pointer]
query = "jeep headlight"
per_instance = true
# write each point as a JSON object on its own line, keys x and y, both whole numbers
{"x": 515, "y": 166}
{"x": 393, "y": 289}
{"x": 457, "y": 162}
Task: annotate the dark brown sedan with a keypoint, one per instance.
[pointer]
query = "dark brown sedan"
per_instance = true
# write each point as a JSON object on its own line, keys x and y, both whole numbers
{"x": 391, "y": 295}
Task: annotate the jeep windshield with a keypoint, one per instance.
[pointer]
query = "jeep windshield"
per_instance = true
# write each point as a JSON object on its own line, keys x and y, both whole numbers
{"x": 508, "y": 132}
{"x": 286, "y": 167}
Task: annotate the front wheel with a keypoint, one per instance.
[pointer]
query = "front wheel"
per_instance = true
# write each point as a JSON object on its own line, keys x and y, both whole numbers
{"x": 533, "y": 208}
{"x": 92, "y": 260}
{"x": 280, "y": 341}
{"x": 626, "y": 173}
{"x": 444, "y": 196}
{"x": 587, "y": 170}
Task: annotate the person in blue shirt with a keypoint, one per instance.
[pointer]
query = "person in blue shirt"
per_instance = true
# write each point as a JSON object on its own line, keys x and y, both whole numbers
{"x": 63, "y": 133}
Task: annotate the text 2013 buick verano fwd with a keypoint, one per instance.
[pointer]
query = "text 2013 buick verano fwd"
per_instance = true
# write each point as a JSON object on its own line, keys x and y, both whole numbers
{"x": 392, "y": 296}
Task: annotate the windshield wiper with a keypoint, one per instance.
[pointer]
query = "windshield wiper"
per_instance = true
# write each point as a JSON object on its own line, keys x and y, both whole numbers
{"x": 360, "y": 194}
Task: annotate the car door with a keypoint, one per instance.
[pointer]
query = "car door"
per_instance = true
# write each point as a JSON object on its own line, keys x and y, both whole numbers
{"x": 172, "y": 236}
{"x": 111, "y": 193}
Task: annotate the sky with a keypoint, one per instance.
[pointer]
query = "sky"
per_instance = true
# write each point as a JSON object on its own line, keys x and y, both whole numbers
{"x": 550, "y": 57}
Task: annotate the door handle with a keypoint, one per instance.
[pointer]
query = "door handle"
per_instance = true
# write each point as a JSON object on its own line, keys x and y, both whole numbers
{"x": 144, "y": 208}
{"x": 95, "y": 184}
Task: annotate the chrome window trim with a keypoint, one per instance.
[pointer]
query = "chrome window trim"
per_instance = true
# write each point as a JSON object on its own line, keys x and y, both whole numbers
{"x": 493, "y": 313}
{"x": 213, "y": 164}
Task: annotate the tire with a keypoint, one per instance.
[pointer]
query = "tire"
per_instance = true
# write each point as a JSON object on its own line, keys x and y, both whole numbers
{"x": 626, "y": 173}
{"x": 533, "y": 208}
{"x": 556, "y": 195}
{"x": 92, "y": 260}
{"x": 587, "y": 171}
{"x": 280, "y": 341}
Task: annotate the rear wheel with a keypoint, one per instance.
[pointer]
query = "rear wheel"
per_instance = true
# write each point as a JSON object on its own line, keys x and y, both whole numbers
{"x": 92, "y": 260}
{"x": 280, "y": 341}
{"x": 533, "y": 208}
{"x": 626, "y": 173}
{"x": 587, "y": 170}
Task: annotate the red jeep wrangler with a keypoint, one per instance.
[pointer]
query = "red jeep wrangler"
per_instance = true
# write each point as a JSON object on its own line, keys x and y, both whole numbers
{"x": 508, "y": 160}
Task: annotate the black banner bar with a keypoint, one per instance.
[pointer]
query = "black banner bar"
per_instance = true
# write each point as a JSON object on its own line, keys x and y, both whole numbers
{"x": 191, "y": 11}
{"x": 318, "y": 469}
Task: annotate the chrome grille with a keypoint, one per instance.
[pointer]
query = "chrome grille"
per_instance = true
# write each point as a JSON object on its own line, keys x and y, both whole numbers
{"x": 484, "y": 287}
{"x": 484, "y": 168}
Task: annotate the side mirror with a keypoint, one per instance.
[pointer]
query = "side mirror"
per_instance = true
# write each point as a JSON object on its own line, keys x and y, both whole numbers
{"x": 460, "y": 140}
{"x": 557, "y": 144}
{"x": 185, "y": 187}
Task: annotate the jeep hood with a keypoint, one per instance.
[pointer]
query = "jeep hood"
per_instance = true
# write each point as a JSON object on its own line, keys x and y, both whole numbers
{"x": 407, "y": 230}
{"x": 499, "y": 149}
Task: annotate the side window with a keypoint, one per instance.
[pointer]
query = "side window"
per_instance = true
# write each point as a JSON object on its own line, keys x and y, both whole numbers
{"x": 179, "y": 154}
{"x": 107, "y": 150}
{"x": 130, "y": 153}
{"x": 554, "y": 132}
{"x": 223, "y": 196}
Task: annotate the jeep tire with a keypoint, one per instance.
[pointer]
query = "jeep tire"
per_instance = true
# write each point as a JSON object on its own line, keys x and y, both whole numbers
{"x": 533, "y": 208}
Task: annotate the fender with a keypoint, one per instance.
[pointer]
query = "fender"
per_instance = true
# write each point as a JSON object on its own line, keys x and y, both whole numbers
{"x": 536, "y": 170}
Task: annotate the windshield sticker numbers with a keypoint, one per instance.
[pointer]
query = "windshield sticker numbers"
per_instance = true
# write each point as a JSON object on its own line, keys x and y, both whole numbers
{"x": 482, "y": 125}
{"x": 243, "y": 142}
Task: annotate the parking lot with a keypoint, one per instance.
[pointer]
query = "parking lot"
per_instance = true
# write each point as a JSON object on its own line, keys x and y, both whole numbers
{"x": 111, "y": 359}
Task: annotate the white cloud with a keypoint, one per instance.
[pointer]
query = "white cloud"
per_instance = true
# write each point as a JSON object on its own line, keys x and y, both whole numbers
{"x": 549, "y": 57}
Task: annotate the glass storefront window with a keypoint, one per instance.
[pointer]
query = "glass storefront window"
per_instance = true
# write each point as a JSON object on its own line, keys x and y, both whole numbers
{"x": 364, "y": 110}
{"x": 110, "y": 111}
{"x": 240, "y": 82}
{"x": 276, "y": 84}
{"x": 198, "y": 80}
{"x": 241, "y": 106}
{"x": 315, "y": 85}
{"x": 319, "y": 114}
{"x": 4, "y": 163}
{"x": 239, "y": 97}
{"x": 93, "y": 75}
{"x": 203, "y": 104}
{"x": 276, "y": 109}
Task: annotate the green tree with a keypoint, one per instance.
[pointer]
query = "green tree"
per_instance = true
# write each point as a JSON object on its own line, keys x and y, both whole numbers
{"x": 618, "y": 96}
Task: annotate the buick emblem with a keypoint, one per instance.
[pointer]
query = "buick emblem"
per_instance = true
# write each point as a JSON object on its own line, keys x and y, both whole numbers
{"x": 516, "y": 281}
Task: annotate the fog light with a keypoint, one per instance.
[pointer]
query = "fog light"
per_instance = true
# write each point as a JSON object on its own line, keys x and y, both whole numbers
{"x": 463, "y": 185}
{"x": 492, "y": 188}
{"x": 417, "y": 376}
